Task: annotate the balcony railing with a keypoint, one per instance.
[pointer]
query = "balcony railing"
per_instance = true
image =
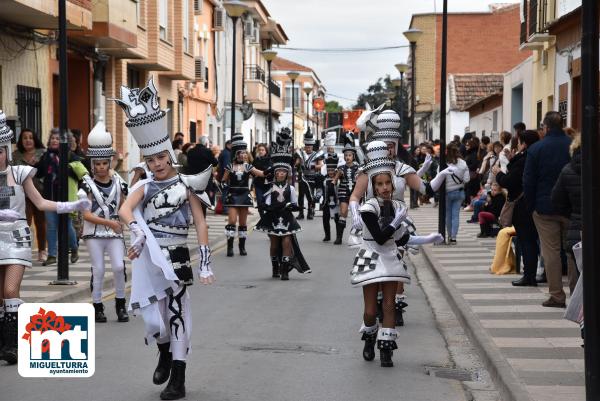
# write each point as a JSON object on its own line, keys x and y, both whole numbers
{"x": 537, "y": 16}
{"x": 532, "y": 16}
{"x": 524, "y": 26}
{"x": 275, "y": 88}
{"x": 254, "y": 72}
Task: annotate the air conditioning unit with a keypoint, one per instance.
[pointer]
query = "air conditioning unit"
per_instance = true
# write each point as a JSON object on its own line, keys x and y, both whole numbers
{"x": 249, "y": 28}
{"x": 199, "y": 68}
{"x": 255, "y": 38}
{"x": 219, "y": 22}
{"x": 198, "y": 7}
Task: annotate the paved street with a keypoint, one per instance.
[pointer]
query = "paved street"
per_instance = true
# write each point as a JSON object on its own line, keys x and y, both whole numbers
{"x": 256, "y": 338}
{"x": 542, "y": 351}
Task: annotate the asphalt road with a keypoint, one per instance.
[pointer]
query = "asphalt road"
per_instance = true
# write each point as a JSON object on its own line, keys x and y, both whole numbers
{"x": 258, "y": 338}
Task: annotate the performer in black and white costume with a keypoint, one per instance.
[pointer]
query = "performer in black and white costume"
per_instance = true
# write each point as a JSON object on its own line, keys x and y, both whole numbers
{"x": 277, "y": 219}
{"x": 388, "y": 125}
{"x": 102, "y": 230}
{"x": 237, "y": 181}
{"x": 378, "y": 264}
{"x": 345, "y": 178}
{"x": 309, "y": 164}
{"x": 157, "y": 212}
{"x": 329, "y": 197}
{"x": 15, "y": 236}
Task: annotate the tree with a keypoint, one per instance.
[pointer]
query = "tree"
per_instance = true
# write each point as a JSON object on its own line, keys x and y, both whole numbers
{"x": 333, "y": 107}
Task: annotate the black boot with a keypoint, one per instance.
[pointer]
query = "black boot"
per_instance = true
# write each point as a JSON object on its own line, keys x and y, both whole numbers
{"x": 327, "y": 229}
{"x": 284, "y": 268}
{"x": 386, "y": 343}
{"x": 275, "y": 265}
{"x": 176, "y": 387}
{"x": 340, "y": 225}
{"x": 99, "y": 308}
{"x": 121, "y": 309}
{"x": 1, "y": 330}
{"x": 369, "y": 349}
{"x": 9, "y": 336}
{"x": 399, "y": 310}
{"x": 163, "y": 369}
{"x": 311, "y": 213}
{"x": 301, "y": 214}
{"x": 484, "y": 230}
{"x": 230, "y": 233}
{"x": 242, "y": 232}
{"x": 525, "y": 282}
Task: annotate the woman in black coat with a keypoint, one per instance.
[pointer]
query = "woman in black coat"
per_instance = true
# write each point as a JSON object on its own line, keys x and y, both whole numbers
{"x": 566, "y": 199}
{"x": 522, "y": 220}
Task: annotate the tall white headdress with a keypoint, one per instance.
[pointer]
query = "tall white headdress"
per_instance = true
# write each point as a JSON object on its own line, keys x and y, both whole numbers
{"x": 330, "y": 138}
{"x": 6, "y": 136}
{"x": 378, "y": 160}
{"x": 146, "y": 121}
{"x": 388, "y": 127}
{"x": 99, "y": 143}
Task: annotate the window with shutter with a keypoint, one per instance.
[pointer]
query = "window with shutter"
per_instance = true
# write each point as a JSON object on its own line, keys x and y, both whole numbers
{"x": 198, "y": 7}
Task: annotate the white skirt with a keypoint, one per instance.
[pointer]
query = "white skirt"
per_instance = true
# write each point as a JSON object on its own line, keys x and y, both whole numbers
{"x": 376, "y": 263}
{"x": 15, "y": 243}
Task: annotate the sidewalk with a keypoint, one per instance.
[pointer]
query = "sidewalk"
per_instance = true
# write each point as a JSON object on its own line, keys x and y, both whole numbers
{"x": 531, "y": 351}
{"x": 36, "y": 288}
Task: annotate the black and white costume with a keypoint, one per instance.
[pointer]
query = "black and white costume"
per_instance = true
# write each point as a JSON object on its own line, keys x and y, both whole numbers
{"x": 100, "y": 239}
{"x": 15, "y": 239}
{"x": 309, "y": 176}
{"x": 162, "y": 272}
{"x": 277, "y": 219}
{"x": 330, "y": 199}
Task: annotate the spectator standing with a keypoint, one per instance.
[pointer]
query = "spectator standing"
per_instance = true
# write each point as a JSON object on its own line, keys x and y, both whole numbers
{"x": 30, "y": 150}
{"x": 473, "y": 163}
{"x": 566, "y": 199}
{"x": 47, "y": 168}
{"x": 454, "y": 177}
{"x": 522, "y": 220}
{"x": 177, "y": 146}
{"x": 223, "y": 161}
{"x": 262, "y": 162}
{"x": 544, "y": 163}
{"x": 199, "y": 158}
{"x": 182, "y": 158}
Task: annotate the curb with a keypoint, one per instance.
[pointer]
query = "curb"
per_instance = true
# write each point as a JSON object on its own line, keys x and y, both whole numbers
{"x": 503, "y": 375}
{"x": 75, "y": 294}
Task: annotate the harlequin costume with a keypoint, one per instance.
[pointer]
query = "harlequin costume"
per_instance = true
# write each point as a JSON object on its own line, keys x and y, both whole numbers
{"x": 308, "y": 175}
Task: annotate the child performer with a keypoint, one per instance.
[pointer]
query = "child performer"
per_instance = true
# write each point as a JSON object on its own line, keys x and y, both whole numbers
{"x": 102, "y": 230}
{"x": 330, "y": 198}
{"x": 345, "y": 177}
{"x": 378, "y": 262}
{"x": 157, "y": 212}
{"x": 278, "y": 221}
{"x": 15, "y": 236}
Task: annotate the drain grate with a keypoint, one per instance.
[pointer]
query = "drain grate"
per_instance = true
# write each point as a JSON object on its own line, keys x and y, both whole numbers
{"x": 452, "y": 373}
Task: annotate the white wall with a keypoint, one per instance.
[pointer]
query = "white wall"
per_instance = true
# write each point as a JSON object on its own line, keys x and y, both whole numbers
{"x": 566, "y": 6}
{"x": 484, "y": 122}
{"x": 456, "y": 122}
{"x": 520, "y": 75}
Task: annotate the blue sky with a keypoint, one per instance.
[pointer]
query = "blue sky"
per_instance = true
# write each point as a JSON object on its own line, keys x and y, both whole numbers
{"x": 353, "y": 23}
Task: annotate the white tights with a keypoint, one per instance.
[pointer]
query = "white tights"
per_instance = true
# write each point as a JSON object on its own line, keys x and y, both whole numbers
{"x": 115, "y": 248}
{"x": 176, "y": 315}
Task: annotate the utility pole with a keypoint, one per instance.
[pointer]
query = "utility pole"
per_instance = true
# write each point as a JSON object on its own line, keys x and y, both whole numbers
{"x": 442, "y": 191}
{"x": 590, "y": 180}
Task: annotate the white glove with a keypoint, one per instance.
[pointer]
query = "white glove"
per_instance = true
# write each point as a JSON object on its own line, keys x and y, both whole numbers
{"x": 140, "y": 239}
{"x": 448, "y": 170}
{"x": 426, "y": 164}
{"x": 440, "y": 178}
{"x": 9, "y": 215}
{"x": 356, "y": 221}
{"x": 204, "y": 271}
{"x": 75, "y": 206}
{"x": 399, "y": 216}
{"x": 433, "y": 238}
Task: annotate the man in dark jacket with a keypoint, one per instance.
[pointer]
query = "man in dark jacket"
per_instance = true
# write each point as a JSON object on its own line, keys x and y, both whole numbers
{"x": 200, "y": 157}
{"x": 566, "y": 199}
{"x": 545, "y": 160}
{"x": 224, "y": 160}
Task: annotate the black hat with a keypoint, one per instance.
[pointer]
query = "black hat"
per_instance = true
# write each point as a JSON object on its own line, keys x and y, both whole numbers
{"x": 237, "y": 143}
{"x": 281, "y": 155}
{"x": 309, "y": 139}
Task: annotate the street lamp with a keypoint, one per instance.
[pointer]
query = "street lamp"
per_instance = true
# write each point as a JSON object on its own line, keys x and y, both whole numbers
{"x": 235, "y": 9}
{"x": 307, "y": 90}
{"x": 270, "y": 55}
{"x": 402, "y": 68}
{"x": 397, "y": 84}
{"x": 293, "y": 75}
{"x": 412, "y": 35}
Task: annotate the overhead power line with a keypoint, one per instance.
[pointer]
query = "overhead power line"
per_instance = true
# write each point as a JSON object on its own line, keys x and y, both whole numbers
{"x": 339, "y": 97}
{"x": 342, "y": 49}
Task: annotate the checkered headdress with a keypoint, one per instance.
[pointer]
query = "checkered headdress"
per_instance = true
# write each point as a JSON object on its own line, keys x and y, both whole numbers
{"x": 388, "y": 127}
{"x": 378, "y": 160}
{"x": 238, "y": 144}
{"x": 6, "y": 136}
{"x": 146, "y": 121}
{"x": 281, "y": 151}
{"x": 309, "y": 139}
